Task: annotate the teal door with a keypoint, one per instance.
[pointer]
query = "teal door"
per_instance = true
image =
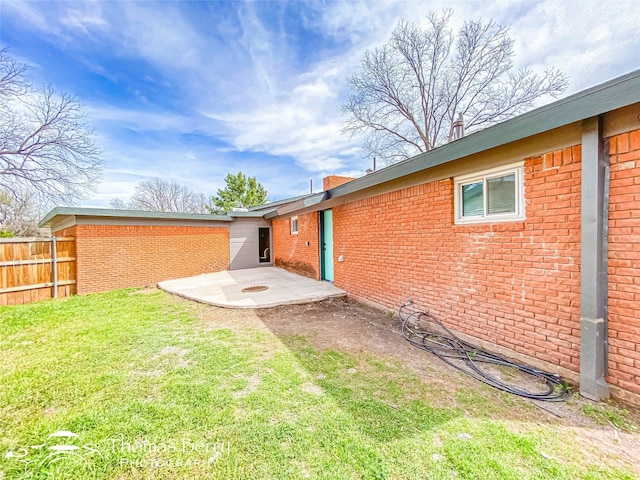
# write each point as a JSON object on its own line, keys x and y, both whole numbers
{"x": 326, "y": 227}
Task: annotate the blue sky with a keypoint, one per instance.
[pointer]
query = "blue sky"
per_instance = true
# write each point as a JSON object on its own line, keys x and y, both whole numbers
{"x": 192, "y": 90}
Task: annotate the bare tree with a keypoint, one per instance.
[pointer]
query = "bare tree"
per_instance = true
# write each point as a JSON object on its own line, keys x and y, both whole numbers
{"x": 409, "y": 92}
{"x": 158, "y": 195}
{"x": 119, "y": 204}
{"x": 46, "y": 144}
{"x": 18, "y": 214}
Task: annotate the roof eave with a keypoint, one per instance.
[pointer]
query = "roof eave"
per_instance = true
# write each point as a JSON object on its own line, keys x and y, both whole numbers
{"x": 251, "y": 214}
{"x": 113, "y": 213}
{"x": 308, "y": 201}
{"x": 276, "y": 203}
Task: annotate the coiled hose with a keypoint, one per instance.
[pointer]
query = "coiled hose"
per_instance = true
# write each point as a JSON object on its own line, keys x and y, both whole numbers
{"x": 425, "y": 331}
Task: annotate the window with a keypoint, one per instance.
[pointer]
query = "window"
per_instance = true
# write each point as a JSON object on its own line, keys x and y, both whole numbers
{"x": 294, "y": 225}
{"x": 492, "y": 195}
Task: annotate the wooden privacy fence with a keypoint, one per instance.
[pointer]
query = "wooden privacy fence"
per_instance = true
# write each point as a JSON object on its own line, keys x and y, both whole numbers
{"x": 33, "y": 269}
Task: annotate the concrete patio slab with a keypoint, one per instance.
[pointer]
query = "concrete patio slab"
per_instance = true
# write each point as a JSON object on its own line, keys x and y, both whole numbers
{"x": 224, "y": 289}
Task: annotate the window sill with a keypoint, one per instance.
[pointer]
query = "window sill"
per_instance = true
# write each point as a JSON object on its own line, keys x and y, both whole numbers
{"x": 490, "y": 220}
{"x": 511, "y": 226}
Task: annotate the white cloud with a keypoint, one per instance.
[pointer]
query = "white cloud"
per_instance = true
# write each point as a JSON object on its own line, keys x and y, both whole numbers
{"x": 162, "y": 36}
{"x": 29, "y": 14}
{"x": 85, "y": 21}
{"x": 304, "y": 123}
{"x": 239, "y": 81}
{"x": 139, "y": 120}
{"x": 590, "y": 41}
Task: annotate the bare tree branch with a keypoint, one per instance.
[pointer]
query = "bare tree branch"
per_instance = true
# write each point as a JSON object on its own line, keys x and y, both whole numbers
{"x": 408, "y": 93}
{"x": 19, "y": 214}
{"x": 118, "y": 204}
{"x": 158, "y": 195}
{"x": 12, "y": 76}
{"x": 46, "y": 144}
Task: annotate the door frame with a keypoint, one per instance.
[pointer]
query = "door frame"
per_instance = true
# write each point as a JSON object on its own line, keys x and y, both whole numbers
{"x": 260, "y": 260}
{"x": 323, "y": 253}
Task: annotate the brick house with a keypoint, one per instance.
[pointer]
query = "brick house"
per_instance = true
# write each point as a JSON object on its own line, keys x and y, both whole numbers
{"x": 523, "y": 237}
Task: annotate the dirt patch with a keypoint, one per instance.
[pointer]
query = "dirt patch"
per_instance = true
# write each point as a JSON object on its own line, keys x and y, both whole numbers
{"x": 174, "y": 353}
{"x": 301, "y": 268}
{"x": 623, "y": 448}
{"x": 253, "y": 382}
{"x": 236, "y": 319}
{"x": 145, "y": 291}
{"x": 311, "y": 388}
{"x": 342, "y": 324}
{"x": 50, "y": 411}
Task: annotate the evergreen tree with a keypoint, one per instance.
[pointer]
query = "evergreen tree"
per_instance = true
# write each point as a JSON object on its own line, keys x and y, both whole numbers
{"x": 241, "y": 192}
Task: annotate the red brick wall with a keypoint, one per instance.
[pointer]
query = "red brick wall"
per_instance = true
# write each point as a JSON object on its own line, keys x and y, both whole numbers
{"x": 333, "y": 181}
{"x": 513, "y": 284}
{"x": 624, "y": 262}
{"x": 298, "y": 253}
{"x": 118, "y": 256}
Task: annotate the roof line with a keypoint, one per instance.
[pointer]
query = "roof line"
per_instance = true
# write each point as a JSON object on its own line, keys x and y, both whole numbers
{"x": 108, "y": 212}
{"x": 275, "y": 203}
{"x": 307, "y": 201}
{"x": 611, "y": 95}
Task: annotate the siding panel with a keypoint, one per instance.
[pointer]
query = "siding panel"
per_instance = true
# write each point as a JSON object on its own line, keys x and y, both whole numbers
{"x": 243, "y": 243}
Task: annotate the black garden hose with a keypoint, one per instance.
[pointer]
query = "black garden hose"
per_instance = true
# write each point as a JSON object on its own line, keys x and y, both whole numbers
{"x": 425, "y": 331}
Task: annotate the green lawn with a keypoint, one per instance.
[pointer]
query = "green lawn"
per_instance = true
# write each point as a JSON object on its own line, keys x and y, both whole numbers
{"x": 153, "y": 391}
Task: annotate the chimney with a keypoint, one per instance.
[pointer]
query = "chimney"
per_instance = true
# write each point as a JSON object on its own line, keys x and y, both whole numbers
{"x": 333, "y": 181}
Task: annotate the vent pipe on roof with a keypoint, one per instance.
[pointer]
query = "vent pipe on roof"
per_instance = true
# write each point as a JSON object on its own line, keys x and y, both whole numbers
{"x": 368, "y": 170}
{"x": 457, "y": 128}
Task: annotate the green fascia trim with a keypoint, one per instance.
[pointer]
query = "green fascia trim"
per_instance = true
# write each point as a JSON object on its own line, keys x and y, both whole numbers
{"x": 113, "y": 213}
{"x": 308, "y": 201}
{"x": 271, "y": 205}
{"x": 251, "y": 214}
{"x": 617, "y": 93}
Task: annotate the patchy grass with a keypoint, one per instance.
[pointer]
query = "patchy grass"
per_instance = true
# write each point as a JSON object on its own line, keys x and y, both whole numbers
{"x": 608, "y": 414}
{"x": 153, "y": 392}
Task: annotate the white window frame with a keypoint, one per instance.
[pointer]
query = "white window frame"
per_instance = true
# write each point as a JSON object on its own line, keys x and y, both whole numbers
{"x": 294, "y": 225}
{"x": 483, "y": 176}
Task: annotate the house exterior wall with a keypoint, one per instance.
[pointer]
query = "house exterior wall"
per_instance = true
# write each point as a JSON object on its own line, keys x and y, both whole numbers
{"x": 118, "y": 256}
{"x": 299, "y": 253}
{"x": 243, "y": 243}
{"x": 624, "y": 262}
{"x": 513, "y": 284}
